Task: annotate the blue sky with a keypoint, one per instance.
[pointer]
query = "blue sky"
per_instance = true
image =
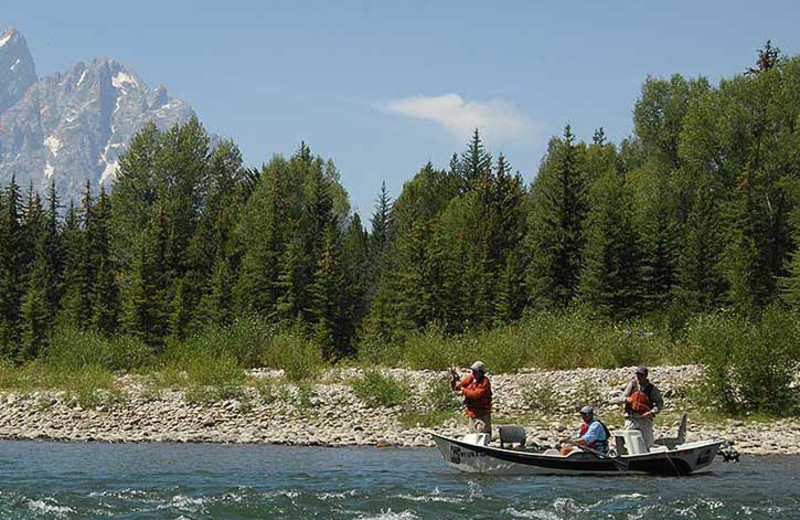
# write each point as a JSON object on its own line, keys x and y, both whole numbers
{"x": 382, "y": 87}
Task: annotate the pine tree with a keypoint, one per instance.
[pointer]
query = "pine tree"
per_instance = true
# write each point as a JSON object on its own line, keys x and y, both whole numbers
{"x": 213, "y": 241}
{"x": 751, "y": 286}
{"x": 511, "y": 289}
{"x": 149, "y": 303}
{"x": 381, "y": 222}
{"x": 37, "y": 321}
{"x": 660, "y": 242}
{"x": 263, "y": 234}
{"x": 105, "y": 299}
{"x": 12, "y": 269}
{"x": 768, "y": 58}
{"x": 508, "y": 234}
{"x": 180, "y": 311}
{"x": 79, "y": 269}
{"x": 216, "y": 305}
{"x": 330, "y": 298}
{"x": 611, "y": 281}
{"x": 54, "y": 252}
{"x": 303, "y": 254}
{"x": 556, "y": 223}
{"x": 475, "y": 163}
{"x": 356, "y": 262}
{"x": 76, "y": 305}
{"x": 701, "y": 280}
{"x": 293, "y": 305}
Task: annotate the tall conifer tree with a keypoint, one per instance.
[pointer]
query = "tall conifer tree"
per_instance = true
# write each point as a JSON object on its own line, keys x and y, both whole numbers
{"x": 556, "y": 223}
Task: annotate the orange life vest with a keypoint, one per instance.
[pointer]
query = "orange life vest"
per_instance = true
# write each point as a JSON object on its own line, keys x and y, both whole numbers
{"x": 640, "y": 403}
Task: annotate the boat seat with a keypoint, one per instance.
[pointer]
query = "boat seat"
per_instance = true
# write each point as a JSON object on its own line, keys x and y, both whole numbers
{"x": 512, "y": 434}
{"x": 671, "y": 442}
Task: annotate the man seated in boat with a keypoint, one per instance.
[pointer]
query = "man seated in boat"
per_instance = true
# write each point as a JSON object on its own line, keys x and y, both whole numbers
{"x": 593, "y": 434}
{"x": 477, "y": 392}
{"x": 642, "y": 402}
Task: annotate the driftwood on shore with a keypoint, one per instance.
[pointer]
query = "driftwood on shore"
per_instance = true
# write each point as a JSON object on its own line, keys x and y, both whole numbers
{"x": 330, "y": 414}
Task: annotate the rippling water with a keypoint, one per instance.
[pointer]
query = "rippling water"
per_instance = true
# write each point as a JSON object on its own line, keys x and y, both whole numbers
{"x": 64, "y": 481}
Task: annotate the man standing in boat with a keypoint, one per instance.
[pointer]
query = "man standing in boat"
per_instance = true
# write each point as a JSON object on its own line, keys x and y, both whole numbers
{"x": 477, "y": 392}
{"x": 642, "y": 402}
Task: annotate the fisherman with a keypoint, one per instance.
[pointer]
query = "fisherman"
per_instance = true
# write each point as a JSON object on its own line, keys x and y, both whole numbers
{"x": 477, "y": 392}
{"x": 642, "y": 402}
{"x": 592, "y": 434}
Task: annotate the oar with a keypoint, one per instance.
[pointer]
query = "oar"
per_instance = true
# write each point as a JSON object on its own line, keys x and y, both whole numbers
{"x": 619, "y": 463}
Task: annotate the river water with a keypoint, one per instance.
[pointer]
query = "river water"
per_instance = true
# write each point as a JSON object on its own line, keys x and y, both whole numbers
{"x": 195, "y": 481}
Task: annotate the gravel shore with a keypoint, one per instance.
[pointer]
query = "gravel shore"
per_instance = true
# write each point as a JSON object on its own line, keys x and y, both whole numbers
{"x": 329, "y": 413}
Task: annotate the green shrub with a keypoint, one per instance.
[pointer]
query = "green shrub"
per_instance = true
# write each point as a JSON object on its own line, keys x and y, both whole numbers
{"x": 252, "y": 342}
{"x": 74, "y": 348}
{"x": 246, "y": 340}
{"x": 379, "y": 351}
{"x": 749, "y": 366}
{"x": 430, "y": 349}
{"x": 194, "y": 365}
{"x": 290, "y": 351}
{"x": 376, "y": 389}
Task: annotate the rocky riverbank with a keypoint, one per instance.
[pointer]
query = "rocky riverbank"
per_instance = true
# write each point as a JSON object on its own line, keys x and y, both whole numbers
{"x": 271, "y": 410}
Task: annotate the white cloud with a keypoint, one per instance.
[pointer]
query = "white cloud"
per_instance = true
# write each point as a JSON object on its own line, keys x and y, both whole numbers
{"x": 497, "y": 119}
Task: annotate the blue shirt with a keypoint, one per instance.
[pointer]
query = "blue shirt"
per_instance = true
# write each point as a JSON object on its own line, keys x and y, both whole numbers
{"x": 594, "y": 433}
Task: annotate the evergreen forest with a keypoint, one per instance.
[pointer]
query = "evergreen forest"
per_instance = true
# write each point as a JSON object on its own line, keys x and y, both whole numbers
{"x": 692, "y": 221}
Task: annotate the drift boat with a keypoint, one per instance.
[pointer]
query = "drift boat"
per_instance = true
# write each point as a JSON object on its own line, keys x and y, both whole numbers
{"x": 473, "y": 454}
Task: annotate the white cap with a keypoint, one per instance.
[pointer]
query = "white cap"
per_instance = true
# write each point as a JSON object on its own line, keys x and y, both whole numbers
{"x": 478, "y": 367}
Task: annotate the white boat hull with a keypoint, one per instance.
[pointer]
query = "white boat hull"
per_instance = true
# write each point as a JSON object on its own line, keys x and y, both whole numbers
{"x": 475, "y": 458}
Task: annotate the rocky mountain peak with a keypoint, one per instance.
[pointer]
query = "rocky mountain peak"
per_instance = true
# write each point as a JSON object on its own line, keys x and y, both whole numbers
{"x": 17, "y": 71}
{"x": 72, "y": 126}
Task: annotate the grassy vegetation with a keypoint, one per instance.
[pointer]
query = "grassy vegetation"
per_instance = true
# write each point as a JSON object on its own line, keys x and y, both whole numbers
{"x": 377, "y": 389}
{"x": 750, "y": 363}
{"x": 91, "y": 386}
{"x": 549, "y": 340}
{"x": 75, "y": 349}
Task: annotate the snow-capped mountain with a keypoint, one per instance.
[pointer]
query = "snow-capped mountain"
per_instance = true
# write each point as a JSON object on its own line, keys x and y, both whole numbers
{"x": 72, "y": 126}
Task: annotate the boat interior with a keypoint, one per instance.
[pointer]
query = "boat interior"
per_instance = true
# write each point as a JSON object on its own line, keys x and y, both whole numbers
{"x": 623, "y": 442}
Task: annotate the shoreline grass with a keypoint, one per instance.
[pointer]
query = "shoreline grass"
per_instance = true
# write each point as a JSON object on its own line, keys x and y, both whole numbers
{"x": 750, "y": 364}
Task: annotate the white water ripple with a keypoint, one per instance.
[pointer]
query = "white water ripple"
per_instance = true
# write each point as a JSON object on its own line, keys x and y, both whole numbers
{"x": 45, "y": 506}
{"x": 390, "y": 515}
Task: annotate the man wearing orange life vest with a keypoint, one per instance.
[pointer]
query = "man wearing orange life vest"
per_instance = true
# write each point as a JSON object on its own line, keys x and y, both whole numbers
{"x": 477, "y": 392}
{"x": 642, "y": 402}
